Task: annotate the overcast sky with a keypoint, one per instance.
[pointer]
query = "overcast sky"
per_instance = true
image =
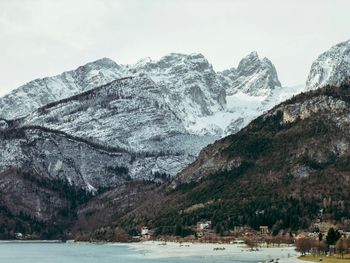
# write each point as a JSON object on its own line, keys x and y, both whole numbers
{"x": 41, "y": 38}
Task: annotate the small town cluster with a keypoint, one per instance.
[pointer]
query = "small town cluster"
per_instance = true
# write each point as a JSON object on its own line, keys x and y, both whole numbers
{"x": 322, "y": 238}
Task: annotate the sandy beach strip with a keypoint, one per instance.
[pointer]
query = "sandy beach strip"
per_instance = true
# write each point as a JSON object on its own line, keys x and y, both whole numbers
{"x": 157, "y": 249}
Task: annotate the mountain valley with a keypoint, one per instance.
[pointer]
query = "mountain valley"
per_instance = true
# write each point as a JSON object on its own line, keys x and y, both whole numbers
{"x": 170, "y": 142}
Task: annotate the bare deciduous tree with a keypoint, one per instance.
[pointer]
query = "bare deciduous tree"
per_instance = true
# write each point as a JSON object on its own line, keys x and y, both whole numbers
{"x": 342, "y": 246}
{"x": 304, "y": 244}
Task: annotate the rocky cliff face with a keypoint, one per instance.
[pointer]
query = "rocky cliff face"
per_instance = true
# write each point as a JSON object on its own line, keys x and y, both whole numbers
{"x": 50, "y": 155}
{"x": 129, "y": 113}
{"x": 318, "y": 105}
{"x": 192, "y": 86}
{"x": 331, "y": 67}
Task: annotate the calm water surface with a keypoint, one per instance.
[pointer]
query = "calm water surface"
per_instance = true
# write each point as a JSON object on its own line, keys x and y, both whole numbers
{"x": 89, "y": 253}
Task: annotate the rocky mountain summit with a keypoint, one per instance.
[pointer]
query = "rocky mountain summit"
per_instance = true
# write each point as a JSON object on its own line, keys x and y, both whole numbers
{"x": 193, "y": 87}
{"x": 39, "y": 92}
{"x": 253, "y": 76}
{"x": 188, "y": 83}
{"x": 331, "y": 67}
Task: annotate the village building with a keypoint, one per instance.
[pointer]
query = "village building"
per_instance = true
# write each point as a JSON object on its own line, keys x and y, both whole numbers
{"x": 201, "y": 225}
{"x": 237, "y": 241}
{"x": 264, "y": 230}
{"x": 317, "y": 226}
{"x": 19, "y": 235}
{"x": 146, "y": 233}
{"x": 146, "y": 236}
{"x": 144, "y": 230}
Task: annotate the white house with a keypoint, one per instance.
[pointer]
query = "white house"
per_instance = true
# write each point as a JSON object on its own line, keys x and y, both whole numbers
{"x": 144, "y": 231}
{"x": 203, "y": 225}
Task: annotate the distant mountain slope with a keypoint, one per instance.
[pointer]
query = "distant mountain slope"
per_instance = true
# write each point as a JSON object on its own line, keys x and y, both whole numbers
{"x": 52, "y": 155}
{"x": 45, "y": 174}
{"x": 331, "y": 67}
{"x": 328, "y": 105}
{"x": 112, "y": 114}
{"x": 130, "y": 113}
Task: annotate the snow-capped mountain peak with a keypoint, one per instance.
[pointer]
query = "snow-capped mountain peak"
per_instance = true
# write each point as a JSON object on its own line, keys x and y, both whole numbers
{"x": 205, "y": 101}
{"x": 331, "y": 67}
{"x": 191, "y": 86}
{"x": 39, "y": 92}
{"x": 253, "y": 76}
{"x": 103, "y": 62}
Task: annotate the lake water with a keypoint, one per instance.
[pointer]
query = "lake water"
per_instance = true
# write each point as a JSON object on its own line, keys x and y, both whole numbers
{"x": 91, "y": 253}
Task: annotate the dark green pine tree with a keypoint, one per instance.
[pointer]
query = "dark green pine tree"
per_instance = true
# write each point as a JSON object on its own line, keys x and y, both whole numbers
{"x": 332, "y": 236}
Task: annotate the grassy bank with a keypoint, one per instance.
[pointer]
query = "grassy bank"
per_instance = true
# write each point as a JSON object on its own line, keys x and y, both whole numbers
{"x": 325, "y": 259}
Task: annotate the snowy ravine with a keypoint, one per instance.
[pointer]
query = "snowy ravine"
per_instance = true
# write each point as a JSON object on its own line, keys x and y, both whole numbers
{"x": 161, "y": 112}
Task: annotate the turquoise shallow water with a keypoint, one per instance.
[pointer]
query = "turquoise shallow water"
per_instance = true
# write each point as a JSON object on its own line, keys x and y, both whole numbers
{"x": 90, "y": 253}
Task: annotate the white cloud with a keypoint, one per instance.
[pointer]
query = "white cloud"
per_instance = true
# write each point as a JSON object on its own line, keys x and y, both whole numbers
{"x": 45, "y": 37}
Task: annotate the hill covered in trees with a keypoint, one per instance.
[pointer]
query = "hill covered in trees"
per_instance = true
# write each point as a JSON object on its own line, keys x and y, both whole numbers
{"x": 286, "y": 169}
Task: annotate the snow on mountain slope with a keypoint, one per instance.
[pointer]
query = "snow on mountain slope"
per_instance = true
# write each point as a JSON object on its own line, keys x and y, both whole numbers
{"x": 251, "y": 89}
{"x": 192, "y": 88}
{"x": 131, "y": 113}
{"x": 51, "y": 155}
{"x": 39, "y": 92}
{"x": 331, "y": 67}
{"x": 241, "y": 109}
{"x": 194, "y": 95}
